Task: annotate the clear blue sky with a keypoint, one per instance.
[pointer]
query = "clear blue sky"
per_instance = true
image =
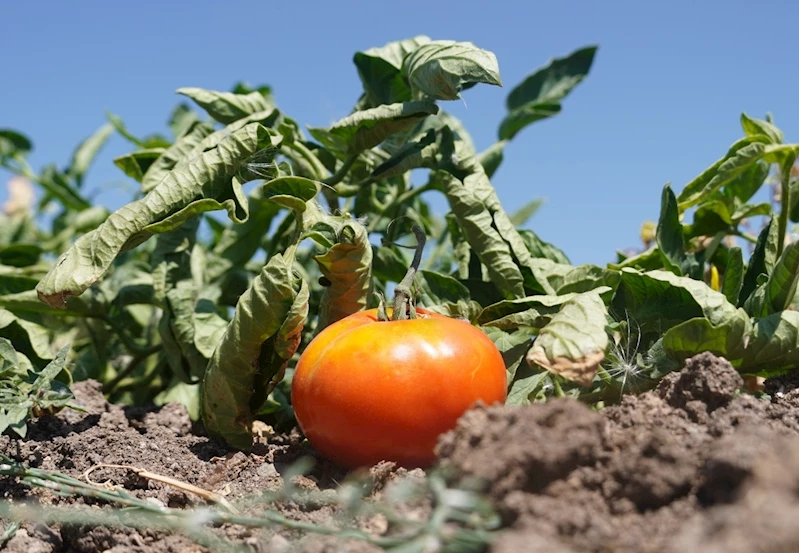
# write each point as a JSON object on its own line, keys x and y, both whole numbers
{"x": 662, "y": 101}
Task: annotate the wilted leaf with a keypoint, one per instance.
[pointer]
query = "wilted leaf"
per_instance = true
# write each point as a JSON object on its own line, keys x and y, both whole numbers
{"x": 367, "y": 128}
{"x": 477, "y": 223}
{"x": 211, "y": 176}
{"x": 380, "y": 70}
{"x": 347, "y": 266}
{"x": 573, "y": 344}
{"x": 440, "y": 69}
{"x": 236, "y": 368}
{"x": 227, "y": 107}
{"x": 179, "y": 151}
{"x": 414, "y": 154}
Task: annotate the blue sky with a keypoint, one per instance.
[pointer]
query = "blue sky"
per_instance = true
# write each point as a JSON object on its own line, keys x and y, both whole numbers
{"x": 662, "y": 101}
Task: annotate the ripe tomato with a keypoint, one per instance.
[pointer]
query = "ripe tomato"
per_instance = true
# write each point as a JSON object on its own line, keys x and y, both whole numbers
{"x": 366, "y": 390}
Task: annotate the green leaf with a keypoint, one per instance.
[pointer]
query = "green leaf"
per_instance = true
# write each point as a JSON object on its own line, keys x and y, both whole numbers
{"x": 438, "y": 288}
{"x": 238, "y": 243}
{"x": 573, "y": 344}
{"x": 528, "y": 385}
{"x": 647, "y": 260}
{"x": 540, "y": 249}
{"x": 584, "y": 278}
{"x": 136, "y": 164}
{"x": 181, "y": 120}
{"x": 210, "y": 176}
{"x": 51, "y": 371}
{"x": 58, "y": 186}
{"x": 176, "y": 291}
{"x": 291, "y": 192}
{"x": 751, "y": 210}
{"x": 700, "y": 188}
{"x": 763, "y": 259}
{"x": 86, "y": 152}
{"x": 13, "y": 144}
{"x": 773, "y": 345}
{"x": 368, "y": 128}
{"x": 347, "y": 266}
{"x": 20, "y": 254}
{"x": 513, "y": 346}
{"x": 697, "y": 335}
{"x": 187, "y": 395}
{"x": 227, "y": 107}
{"x": 754, "y": 127}
{"x": 741, "y": 157}
{"x": 28, "y": 336}
{"x": 532, "y": 311}
{"x": 476, "y": 221}
{"x": 440, "y": 69}
{"x": 179, "y": 151}
{"x": 380, "y": 70}
{"x": 523, "y": 214}
{"x": 733, "y": 276}
{"x": 658, "y": 300}
{"x": 539, "y": 95}
{"x": 670, "y": 237}
{"x": 778, "y": 291}
{"x": 491, "y": 158}
{"x": 152, "y": 142}
{"x": 254, "y": 350}
{"x": 747, "y": 183}
{"x": 414, "y": 154}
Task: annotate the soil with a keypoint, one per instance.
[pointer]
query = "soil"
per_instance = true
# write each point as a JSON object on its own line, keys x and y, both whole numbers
{"x": 696, "y": 465}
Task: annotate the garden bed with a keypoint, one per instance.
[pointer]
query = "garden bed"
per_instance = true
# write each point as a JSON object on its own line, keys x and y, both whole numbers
{"x": 695, "y": 465}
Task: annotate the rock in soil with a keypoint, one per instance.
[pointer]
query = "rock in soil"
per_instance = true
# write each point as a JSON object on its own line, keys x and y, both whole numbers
{"x": 695, "y": 465}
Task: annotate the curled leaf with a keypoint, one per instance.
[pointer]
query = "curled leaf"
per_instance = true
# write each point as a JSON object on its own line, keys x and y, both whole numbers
{"x": 254, "y": 351}
{"x": 347, "y": 266}
{"x": 440, "y": 69}
{"x": 210, "y": 176}
{"x": 367, "y": 128}
{"x": 573, "y": 344}
{"x": 227, "y": 107}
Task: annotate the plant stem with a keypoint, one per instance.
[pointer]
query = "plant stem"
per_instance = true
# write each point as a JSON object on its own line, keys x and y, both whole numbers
{"x": 785, "y": 198}
{"x": 339, "y": 175}
{"x": 556, "y": 386}
{"x": 319, "y": 170}
{"x": 130, "y": 367}
{"x": 402, "y": 292}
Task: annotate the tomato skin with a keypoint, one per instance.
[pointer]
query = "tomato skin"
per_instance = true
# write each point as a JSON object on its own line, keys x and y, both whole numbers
{"x": 365, "y": 391}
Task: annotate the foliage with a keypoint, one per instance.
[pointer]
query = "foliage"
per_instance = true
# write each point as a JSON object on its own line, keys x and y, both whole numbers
{"x": 26, "y": 393}
{"x": 165, "y": 300}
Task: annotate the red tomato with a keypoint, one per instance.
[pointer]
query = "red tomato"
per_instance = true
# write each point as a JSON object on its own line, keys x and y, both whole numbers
{"x": 366, "y": 390}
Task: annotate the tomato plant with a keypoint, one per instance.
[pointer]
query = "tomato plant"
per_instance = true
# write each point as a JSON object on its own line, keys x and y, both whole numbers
{"x": 368, "y": 388}
{"x": 166, "y": 300}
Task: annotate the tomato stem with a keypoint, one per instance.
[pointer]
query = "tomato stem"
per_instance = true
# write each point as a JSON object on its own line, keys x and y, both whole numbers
{"x": 402, "y": 292}
{"x": 381, "y": 308}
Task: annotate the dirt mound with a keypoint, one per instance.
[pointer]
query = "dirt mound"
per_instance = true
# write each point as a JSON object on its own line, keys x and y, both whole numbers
{"x": 692, "y": 466}
{"x": 163, "y": 440}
